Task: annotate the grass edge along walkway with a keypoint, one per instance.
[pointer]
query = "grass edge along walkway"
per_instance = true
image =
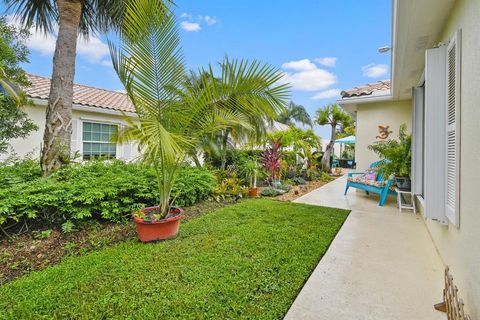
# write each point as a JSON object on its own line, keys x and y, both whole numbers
{"x": 249, "y": 260}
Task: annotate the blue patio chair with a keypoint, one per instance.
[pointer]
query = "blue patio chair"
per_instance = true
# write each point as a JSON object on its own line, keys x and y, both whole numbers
{"x": 381, "y": 185}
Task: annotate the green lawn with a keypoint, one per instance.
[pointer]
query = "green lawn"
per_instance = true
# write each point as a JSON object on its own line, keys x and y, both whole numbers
{"x": 244, "y": 261}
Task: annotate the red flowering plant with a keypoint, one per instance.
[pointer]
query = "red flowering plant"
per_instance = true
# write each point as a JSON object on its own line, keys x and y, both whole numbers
{"x": 272, "y": 161}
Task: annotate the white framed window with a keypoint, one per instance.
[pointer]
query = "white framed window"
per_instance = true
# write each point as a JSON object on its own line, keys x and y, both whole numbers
{"x": 452, "y": 175}
{"x": 97, "y": 140}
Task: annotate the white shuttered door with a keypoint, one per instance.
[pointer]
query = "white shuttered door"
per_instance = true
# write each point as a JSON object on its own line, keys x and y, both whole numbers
{"x": 453, "y": 130}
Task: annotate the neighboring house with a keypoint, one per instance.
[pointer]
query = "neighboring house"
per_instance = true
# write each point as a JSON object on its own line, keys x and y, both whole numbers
{"x": 96, "y": 115}
{"x": 435, "y": 90}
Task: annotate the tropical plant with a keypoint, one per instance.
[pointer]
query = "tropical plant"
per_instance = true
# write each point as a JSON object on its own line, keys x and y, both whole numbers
{"x": 12, "y": 52}
{"x": 272, "y": 161}
{"x": 173, "y": 117}
{"x": 295, "y": 113}
{"x": 397, "y": 152}
{"x": 336, "y": 118}
{"x": 14, "y": 122}
{"x": 250, "y": 169}
{"x": 74, "y": 18}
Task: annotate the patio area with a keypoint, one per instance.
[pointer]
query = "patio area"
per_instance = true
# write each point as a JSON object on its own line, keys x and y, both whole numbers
{"x": 381, "y": 265}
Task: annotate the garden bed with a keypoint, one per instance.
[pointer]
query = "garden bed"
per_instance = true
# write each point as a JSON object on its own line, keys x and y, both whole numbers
{"x": 249, "y": 260}
{"x": 302, "y": 190}
{"x": 42, "y": 248}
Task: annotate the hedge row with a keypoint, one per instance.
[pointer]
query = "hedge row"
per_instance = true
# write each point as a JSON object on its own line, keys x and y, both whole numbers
{"x": 96, "y": 190}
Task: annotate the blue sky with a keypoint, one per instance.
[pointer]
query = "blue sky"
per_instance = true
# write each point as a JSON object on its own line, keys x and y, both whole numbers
{"x": 323, "y": 46}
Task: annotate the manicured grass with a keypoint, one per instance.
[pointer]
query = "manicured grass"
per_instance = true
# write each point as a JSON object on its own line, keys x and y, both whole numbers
{"x": 249, "y": 260}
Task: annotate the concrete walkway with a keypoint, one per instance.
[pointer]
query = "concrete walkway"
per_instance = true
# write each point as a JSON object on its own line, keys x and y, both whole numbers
{"x": 381, "y": 265}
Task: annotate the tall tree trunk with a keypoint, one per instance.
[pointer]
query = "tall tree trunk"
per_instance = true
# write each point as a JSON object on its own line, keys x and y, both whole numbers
{"x": 223, "y": 154}
{"x": 328, "y": 151}
{"x": 196, "y": 160}
{"x": 58, "y": 126}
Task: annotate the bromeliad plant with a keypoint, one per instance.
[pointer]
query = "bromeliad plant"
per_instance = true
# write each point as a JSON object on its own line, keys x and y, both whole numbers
{"x": 175, "y": 115}
{"x": 272, "y": 161}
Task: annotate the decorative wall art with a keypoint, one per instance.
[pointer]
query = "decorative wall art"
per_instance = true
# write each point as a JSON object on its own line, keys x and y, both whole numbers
{"x": 383, "y": 132}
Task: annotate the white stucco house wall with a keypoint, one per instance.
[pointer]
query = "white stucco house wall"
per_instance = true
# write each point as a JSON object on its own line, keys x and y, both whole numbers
{"x": 434, "y": 89}
{"x": 96, "y": 114}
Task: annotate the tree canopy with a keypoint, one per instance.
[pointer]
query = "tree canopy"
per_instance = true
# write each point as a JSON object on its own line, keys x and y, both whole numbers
{"x": 14, "y": 122}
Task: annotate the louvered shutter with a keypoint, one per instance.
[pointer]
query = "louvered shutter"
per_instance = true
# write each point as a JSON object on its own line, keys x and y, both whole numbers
{"x": 127, "y": 151}
{"x": 75, "y": 138}
{"x": 418, "y": 141}
{"x": 453, "y": 130}
{"x": 435, "y": 133}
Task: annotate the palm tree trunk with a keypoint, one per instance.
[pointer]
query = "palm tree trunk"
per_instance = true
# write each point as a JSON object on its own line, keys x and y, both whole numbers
{"x": 328, "y": 151}
{"x": 196, "y": 160}
{"x": 58, "y": 126}
{"x": 223, "y": 153}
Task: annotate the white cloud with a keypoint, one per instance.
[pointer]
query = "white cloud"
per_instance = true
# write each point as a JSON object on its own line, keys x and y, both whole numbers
{"x": 375, "y": 70}
{"x": 299, "y": 65}
{"x": 327, "y": 61}
{"x": 210, "y": 20}
{"x": 190, "y": 26}
{"x": 43, "y": 43}
{"x": 94, "y": 50}
{"x": 327, "y": 94}
{"x": 186, "y": 15}
{"x": 306, "y": 76}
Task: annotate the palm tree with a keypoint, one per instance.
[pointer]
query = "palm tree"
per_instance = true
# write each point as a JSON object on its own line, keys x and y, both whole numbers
{"x": 334, "y": 116}
{"x": 174, "y": 115}
{"x": 295, "y": 113}
{"x": 73, "y": 17}
{"x": 259, "y": 114}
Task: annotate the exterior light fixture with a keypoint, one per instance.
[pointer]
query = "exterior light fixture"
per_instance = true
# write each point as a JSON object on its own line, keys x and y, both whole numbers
{"x": 384, "y": 49}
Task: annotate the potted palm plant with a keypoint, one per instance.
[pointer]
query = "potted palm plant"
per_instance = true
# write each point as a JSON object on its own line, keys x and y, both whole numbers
{"x": 398, "y": 154}
{"x": 251, "y": 170}
{"x": 175, "y": 113}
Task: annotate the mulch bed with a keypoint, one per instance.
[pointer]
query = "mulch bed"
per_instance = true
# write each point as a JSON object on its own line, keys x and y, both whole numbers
{"x": 24, "y": 253}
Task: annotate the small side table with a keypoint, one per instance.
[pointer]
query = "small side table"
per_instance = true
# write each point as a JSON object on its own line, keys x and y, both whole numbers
{"x": 402, "y": 202}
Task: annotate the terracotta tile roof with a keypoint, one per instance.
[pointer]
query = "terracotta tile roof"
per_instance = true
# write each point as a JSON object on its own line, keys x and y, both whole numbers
{"x": 82, "y": 95}
{"x": 366, "y": 89}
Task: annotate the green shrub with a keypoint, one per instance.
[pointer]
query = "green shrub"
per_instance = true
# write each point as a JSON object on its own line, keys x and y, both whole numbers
{"x": 272, "y": 192}
{"x": 298, "y": 180}
{"x": 104, "y": 190}
{"x": 325, "y": 177}
{"x": 233, "y": 157}
{"x": 15, "y": 171}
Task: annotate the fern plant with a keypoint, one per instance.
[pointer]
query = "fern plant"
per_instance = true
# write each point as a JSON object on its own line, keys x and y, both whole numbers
{"x": 397, "y": 152}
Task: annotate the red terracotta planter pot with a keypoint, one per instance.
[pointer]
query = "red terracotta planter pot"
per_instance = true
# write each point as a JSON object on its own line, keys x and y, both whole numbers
{"x": 253, "y": 192}
{"x": 159, "y": 229}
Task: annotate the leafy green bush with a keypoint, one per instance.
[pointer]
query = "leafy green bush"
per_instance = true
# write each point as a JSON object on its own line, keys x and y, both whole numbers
{"x": 15, "y": 171}
{"x": 233, "y": 157}
{"x": 325, "y": 177}
{"x": 96, "y": 190}
{"x": 272, "y": 192}
{"x": 298, "y": 180}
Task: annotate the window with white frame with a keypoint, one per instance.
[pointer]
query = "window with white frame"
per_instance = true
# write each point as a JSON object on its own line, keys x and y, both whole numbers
{"x": 97, "y": 140}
